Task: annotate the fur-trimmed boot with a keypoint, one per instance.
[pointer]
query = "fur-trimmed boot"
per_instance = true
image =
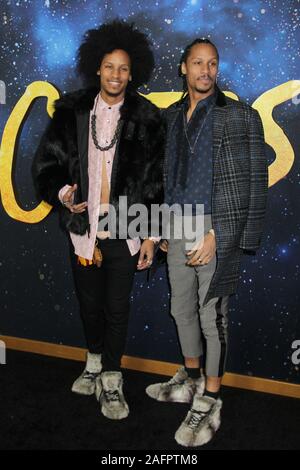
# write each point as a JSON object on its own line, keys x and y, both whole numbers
{"x": 180, "y": 388}
{"x": 201, "y": 422}
{"x": 109, "y": 391}
{"x": 86, "y": 382}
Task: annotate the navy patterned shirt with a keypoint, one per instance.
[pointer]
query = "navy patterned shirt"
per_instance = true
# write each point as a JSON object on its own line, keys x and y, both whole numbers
{"x": 189, "y": 159}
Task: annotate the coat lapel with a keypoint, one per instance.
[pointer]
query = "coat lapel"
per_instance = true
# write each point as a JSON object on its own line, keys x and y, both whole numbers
{"x": 219, "y": 118}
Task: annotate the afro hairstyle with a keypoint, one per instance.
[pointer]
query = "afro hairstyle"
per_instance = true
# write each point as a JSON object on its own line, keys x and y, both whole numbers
{"x": 105, "y": 39}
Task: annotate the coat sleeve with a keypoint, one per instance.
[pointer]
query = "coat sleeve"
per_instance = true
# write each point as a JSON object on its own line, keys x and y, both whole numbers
{"x": 49, "y": 168}
{"x": 252, "y": 233}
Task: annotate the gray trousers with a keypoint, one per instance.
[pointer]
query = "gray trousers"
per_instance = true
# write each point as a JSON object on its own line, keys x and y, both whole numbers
{"x": 189, "y": 286}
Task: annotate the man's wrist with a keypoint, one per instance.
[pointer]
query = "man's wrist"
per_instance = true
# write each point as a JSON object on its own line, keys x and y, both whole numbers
{"x": 148, "y": 240}
{"x": 154, "y": 240}
{"x": 62, "y": 193}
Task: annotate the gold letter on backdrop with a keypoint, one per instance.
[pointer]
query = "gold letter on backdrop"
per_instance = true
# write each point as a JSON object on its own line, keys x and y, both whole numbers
{"x": 7, "y": 152}
{"x": 274, "y": 135}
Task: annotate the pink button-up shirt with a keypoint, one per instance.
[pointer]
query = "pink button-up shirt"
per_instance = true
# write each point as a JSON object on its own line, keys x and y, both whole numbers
{"x": 106, "y": 122}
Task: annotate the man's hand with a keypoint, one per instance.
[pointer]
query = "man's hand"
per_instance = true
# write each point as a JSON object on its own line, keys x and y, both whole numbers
{"x": 203, "y": 252}
{"x": 68, "y": 201}
{"x": 164, "y": 246}
{"x": 146, "y": 255}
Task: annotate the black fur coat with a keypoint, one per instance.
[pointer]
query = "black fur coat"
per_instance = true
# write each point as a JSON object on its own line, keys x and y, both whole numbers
{"x": 62, "y": 156}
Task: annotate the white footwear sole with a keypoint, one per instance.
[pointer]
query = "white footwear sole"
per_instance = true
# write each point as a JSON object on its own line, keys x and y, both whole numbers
{"x": 115, "y": 415}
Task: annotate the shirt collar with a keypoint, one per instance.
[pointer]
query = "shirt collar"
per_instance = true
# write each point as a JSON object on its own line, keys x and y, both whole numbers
{"x": 103, "y": 105}
{"x": 206, "y": 103}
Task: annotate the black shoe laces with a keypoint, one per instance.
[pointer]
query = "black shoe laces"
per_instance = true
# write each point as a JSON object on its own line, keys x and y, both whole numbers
{"x": 90, "y": 375}
{"x": 111, "y": 395}
{"x": 196, "y": 418}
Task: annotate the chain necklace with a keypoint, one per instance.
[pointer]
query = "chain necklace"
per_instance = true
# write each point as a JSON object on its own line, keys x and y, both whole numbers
{"x": 199, "y": 132}
{"x": 94, "y": 131}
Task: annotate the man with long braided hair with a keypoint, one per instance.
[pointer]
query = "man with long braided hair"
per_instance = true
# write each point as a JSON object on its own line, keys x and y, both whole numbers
{"x": 104, "y": 141}
{"x": 215, "y": 157}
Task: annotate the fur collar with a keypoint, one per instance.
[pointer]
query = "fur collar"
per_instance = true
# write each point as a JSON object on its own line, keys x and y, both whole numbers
{"x": 135, "y": 108}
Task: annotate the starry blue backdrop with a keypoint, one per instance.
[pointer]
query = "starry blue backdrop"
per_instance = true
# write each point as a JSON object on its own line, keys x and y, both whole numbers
{"x": 258, "y": 43}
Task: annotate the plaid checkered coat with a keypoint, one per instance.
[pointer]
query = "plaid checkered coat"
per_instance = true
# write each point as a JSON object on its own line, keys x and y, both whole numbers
{"x": 240, "y": 183}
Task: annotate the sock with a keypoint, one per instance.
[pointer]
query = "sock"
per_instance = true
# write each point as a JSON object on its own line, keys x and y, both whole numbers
{"x": 193, "y": 373}
{"x": 214, "y": 395}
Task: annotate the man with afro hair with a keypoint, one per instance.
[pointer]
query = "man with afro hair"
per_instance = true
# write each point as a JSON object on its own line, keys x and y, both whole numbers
{"x": 104, "y": 141}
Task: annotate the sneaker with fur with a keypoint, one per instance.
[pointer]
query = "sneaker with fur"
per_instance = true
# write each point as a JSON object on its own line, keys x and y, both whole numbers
{"x": 181, "y": 388}
{"x": 109, "y": 391}
{"x": 201, "y": 422}
{"x": 85, "y": 384}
